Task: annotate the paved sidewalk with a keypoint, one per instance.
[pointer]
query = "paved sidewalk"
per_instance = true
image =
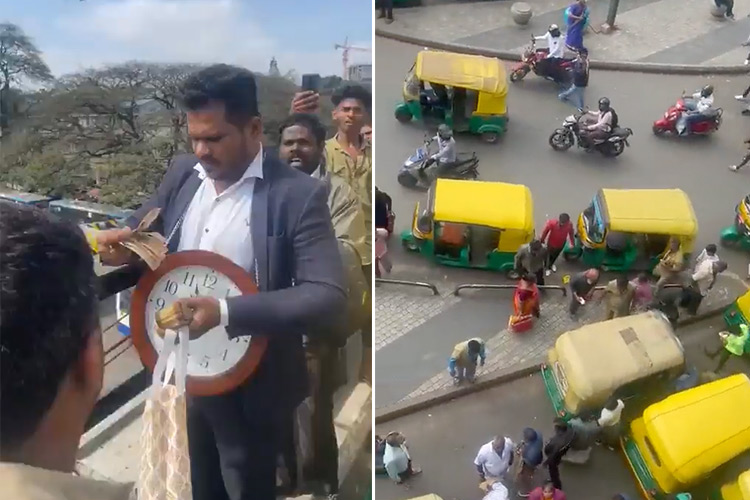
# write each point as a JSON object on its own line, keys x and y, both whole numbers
{"x": 416, "y": 331}
{"x": 675, "y": 32}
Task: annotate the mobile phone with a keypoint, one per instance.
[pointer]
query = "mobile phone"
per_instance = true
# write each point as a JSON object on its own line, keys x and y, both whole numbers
{"x": 311, "y": 81}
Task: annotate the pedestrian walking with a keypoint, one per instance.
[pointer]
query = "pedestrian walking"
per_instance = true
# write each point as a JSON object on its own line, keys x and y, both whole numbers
{"x": 728, "y": 5}
{"x": 745, "y": 159}
{"x": 643, "y": 295}
{"x": 462, "y": 364}
{"x": 494, "y": 459}
{"x": 530, "y": 458}
{"x": 576, "y": 18}
{"x": 579, "y": 80}
{"x": 731, "y": 345}
{"x": 609, "y": 422}
{"x": 582, "y": 288}
{"x": 556, "y": 449}
{"x": 555, "y": 233}
{"x": 386, "y": 11}
{"x": 547, "y": 492}
{"x": 531, "y": 258}
{"x": 397, "y": 459}
{"x": 619, "y": 295}
{"x": 671, "y": 264}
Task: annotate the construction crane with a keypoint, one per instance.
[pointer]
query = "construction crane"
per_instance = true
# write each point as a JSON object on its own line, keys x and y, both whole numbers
{"x": 345, "y": 47}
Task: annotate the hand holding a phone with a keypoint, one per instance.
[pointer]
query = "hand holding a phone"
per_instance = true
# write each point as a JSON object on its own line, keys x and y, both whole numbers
{"x": 307, "y": 101}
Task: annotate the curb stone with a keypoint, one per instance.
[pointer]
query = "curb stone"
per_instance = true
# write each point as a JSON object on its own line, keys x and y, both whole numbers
{"x": 401, "y": 409}
{"x": 628, "y": 66}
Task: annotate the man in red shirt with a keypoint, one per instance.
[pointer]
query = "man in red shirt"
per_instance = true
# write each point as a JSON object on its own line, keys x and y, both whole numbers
{"x": 554, "y": 235}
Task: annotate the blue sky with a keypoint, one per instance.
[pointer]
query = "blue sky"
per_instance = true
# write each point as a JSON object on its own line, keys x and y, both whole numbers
{"x": 301, "y": 34}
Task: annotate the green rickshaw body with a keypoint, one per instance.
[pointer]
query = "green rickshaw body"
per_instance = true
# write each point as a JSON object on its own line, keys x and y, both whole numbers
{"x": 738, "y": 234}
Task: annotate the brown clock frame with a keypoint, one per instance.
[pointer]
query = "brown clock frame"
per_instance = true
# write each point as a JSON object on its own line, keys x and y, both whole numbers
{"x": 198, "y": 386}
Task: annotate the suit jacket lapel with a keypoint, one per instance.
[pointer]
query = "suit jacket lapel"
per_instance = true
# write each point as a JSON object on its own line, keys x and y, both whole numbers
{"x": 173, "y": 222}
{"x": 259, "y": 225}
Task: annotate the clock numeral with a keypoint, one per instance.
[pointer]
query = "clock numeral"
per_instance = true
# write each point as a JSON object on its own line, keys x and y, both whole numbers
{"x": 229, "y": 290}
{"x": 224, "y": 355}
{"x": 160, "y": 303}
{"x": 171, "y": 287}
{"x": 189, "y": 278}
{"x": 209, "y": 281}
{"x": 204, "y": 362}
{"x": 244, "y": 340}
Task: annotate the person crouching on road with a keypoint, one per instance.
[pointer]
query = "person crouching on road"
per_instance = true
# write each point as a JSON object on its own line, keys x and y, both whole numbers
{"x": 582, "y": 288}
{"x": 547, "y": 492}
{"x": 554, "y": 235}
{"x": 397, "y": 460}
{"x": 493, "y": 460}
{"x": 530, "y": 451}
{"x": 462, "y": 364}
{"x": 497, "y": 491}
{"x": 531, "y": 258}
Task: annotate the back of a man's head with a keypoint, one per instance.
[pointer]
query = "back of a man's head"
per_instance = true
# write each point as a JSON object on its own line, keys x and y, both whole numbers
{"x": 50, "y": 342}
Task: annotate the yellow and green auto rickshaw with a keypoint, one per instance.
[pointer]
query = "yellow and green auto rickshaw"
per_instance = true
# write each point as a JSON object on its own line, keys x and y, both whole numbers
{"x": 738, "y": 234}
{"x": 739, "y": 314}
{"x": 692, "y": 442}
{"x": 633, "y": 358}
{"x": 629, "y": 229}
{"x": 737, "y": 490}
{"x": 467, "y": 93}
{"x": 474, "y": 224}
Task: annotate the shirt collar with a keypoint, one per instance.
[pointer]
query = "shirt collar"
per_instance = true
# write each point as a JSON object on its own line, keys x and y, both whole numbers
{"x": 318, "y": 172}
{"x": 254, "y": 170}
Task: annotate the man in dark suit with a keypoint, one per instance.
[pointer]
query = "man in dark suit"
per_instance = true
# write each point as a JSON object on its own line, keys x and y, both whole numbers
{"x": 272, "y": 220}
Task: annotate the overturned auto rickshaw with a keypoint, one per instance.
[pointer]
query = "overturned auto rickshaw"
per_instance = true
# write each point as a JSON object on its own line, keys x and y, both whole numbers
{"x": 634, "y": 358}
{"x": 467, "y": 93}
{"x": 692, "y": 442}
{"x": 472, "y": 224}
{"x": 629, "y": 229}
{"x": 738, "y": 234}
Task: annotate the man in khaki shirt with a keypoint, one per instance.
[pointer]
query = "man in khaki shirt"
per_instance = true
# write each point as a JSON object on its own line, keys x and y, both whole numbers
{"x": 619, "y": 294}
{"x": 51, "y": 357}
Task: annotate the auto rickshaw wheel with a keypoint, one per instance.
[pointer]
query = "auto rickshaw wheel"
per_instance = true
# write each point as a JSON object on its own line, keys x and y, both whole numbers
{"x": 572, "y": 255}
{"x": 403, "y": 115}
{"x": 729, "y": 241}
{"x": 410, "y": 245}
{"x": 490, "y": 137}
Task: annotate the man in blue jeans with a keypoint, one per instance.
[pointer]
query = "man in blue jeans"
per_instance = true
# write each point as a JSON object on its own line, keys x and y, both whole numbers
{"x": 579, "y": 80}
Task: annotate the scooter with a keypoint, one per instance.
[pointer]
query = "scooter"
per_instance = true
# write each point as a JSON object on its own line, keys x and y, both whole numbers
{"x": 564, "y": 138}
{"x": 708, "y": 124}
{"x": 530, "y": 62}
{"x": 413, "y": 174}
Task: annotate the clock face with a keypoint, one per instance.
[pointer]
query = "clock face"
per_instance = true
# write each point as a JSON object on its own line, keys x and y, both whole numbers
{"x": 214, "y": 353}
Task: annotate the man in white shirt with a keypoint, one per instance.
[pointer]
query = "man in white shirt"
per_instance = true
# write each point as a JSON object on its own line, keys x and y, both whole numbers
{"x": 604, "y": 121}
{"x": 701, "y": 282}
{"x": 704, "y": 101}
{"x": 497, "y": 491}
{"x": 708, "y": 253}
{"x": 396, "y": 459}
{"x": 494, "y": 459}
{"x": 609, "y": 421}
{"x": 446, "y": 154}
{"x": 232, "y": 199}
{"x": 550, "y": 65}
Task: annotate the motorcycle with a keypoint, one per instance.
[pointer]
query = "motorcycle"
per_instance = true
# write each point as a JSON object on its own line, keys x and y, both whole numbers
{"x": 530, "y": 62}
{"x": 413, "y": 174}
{"x": 708, "y": 124}
{"x": 564, "y": 138}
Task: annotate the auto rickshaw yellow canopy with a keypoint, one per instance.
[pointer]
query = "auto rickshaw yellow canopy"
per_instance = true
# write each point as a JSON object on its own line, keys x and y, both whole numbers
{"x": 744, "y": 482}
{"x": 483, "y": 74}
{"x": 482, "y": 203}
{"x": 601, "y": 357}
{"x": 650, "y": 211}
{"x": 697, "y": 430}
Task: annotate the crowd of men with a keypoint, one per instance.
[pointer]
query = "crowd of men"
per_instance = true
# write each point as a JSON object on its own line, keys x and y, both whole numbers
{"x": 307, "y": 202}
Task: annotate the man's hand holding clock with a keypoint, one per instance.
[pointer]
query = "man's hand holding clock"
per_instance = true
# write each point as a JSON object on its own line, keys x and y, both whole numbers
{"x": 199, "y": 314}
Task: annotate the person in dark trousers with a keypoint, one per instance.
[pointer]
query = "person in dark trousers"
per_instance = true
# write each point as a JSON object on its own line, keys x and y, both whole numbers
{"x": 728, "y": 4}
{"x": 383, "y": 210}
{"x": 531, "y": 451}
{"x": 555, "y": 450}
{"x": 531, "y": 258}
{"x": 579, "y": 80}
{"x": 581, "y": 288}
{"x": 386, "y": 11}
{"x": 554, "y": 235}
{"x": 745, "y": 159}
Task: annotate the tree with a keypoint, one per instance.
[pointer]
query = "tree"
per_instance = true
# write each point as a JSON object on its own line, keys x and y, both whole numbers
{"x": 20, "y": 60}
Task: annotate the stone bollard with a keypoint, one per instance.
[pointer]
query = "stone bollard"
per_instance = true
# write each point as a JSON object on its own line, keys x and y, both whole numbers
{"x": 718, "y": 12}
{"x": 521, "y": 12}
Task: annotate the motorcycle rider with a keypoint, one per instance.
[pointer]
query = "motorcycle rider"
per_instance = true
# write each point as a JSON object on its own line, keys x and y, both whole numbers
{"x": 606, "y": 121}
{"x": 704, "y": 102}
{"x": 550, "y": 65}
{"x": 745, "y": 159}
{"x": 446, "y": 154}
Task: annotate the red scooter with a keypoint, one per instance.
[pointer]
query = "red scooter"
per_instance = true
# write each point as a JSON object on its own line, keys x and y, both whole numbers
{"x": 707, "y": 124}
{"x": 530, "y": 62}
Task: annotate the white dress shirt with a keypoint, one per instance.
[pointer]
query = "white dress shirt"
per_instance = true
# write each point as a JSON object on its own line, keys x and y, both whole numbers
{"x": 396, "y": 460}
{"x": 555, "y": 44}
{"x": 703, "y": 275}
{"x": 220, "y": 223}
{"x": 704, "y": 103}
{"x": 492, "y": 464}
{"x": 446, "y": 150}
{"x": 611, "y": 417}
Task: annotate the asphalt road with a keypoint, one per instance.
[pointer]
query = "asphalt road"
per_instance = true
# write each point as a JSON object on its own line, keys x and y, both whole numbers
{"x": 567, "y": 181}
{"x": 443, "y": 440}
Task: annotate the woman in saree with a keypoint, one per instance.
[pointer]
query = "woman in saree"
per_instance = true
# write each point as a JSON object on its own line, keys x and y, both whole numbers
{"x": 576, "y": 18}
{"x": 525, "y": 304}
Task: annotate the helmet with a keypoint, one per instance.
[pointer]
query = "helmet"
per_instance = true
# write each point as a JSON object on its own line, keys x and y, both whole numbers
{"x": 554, "y": 30}
{"x": 604, "y": 104}
{"x": 444, "y": 131}
{"x": 707, "y": 91}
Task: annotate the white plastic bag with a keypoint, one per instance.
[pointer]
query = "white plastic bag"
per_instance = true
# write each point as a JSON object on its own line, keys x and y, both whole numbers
{"x": 165, "y": 461}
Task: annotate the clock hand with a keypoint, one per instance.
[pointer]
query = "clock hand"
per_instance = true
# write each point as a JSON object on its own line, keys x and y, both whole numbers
{"x": 197, "y": 293}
